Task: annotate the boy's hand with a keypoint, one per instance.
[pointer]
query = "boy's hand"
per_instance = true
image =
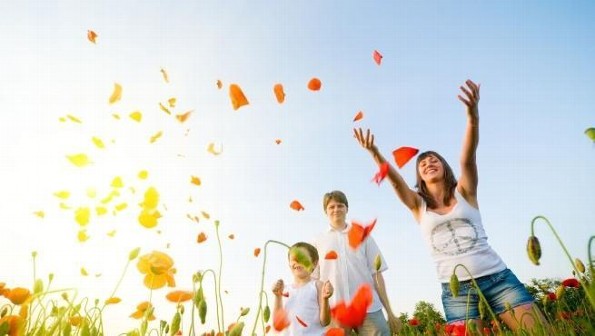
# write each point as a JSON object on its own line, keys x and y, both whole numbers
{"x": 327, "y": 290}
{"x": 278, "y": 288}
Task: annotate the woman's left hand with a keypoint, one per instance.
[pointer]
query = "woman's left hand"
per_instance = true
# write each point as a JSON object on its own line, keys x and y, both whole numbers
{"x": 471, "y": 99}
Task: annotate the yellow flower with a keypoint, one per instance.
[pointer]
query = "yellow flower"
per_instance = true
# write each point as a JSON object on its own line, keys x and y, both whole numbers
{"x": 141, "y": 309}
{"x": 18, "y": 295}
{"x": 158, "y": 269}
{"x": 15, "y": 324}
{"x": 113, "y": 300}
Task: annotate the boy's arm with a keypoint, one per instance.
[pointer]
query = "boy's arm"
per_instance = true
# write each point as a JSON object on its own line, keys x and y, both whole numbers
{"x": 393, "y": 322}
{"x": 278, "y": 291}
{"x": 325, "y": 291}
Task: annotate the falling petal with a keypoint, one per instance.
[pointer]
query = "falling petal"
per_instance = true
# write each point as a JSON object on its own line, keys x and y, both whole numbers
{"x": 63, "y": 194}
{"x": 143, "y": 174}
{"x": 278, "y": 141}
{"x": 65, "y": 206}
{"x": 39, "y": 214}
{"x": 113, "y": 300}
{"x": 121, "y": 206}
{"x": 73, "y": 118}
{"x": 219, "y": 84}
{"x": 256, "y": 251}
{"x": 279, "y": 93}
{"x": 165, "y": 76}
{"x": 205, "y": 214}
{"x": 381, "y": 174}
{"x": 82, "y": 236}
{"x": 211, "y": 149}
{"x": 155, "y": 136}
{"x": 402, "y": 155}
{"x": 280, "y": 320}
{"x": 178, "y": 296}
{"x": 172, "y": 102}
{"x": 331, "y": 255}
{"x": 195, "y": 180}
{"x": 148, "y": 218}
{"x": 79, "y": 160}
{"x": 201, "y": 237}
{"x": 117, "y": 182}
{"x": 335, "y": 332}
{"x": 116, "y": 94}
{"x": 62, "y": 119}
{"x": 98, "y": 142}
{"x": 116, "y": 116}
{"x": 231, "y": 236}
{"x": 358, "y": 233}
{"x": 136, "y": 116}
{"x": 184, "y": 116}
{"x": 359, "y": 116}
{"x": 377, "y": 57}
{"x": 238, "y": 99}
{"x": 112, "y": 233}
{"x": 314, "y": 84}
{"x": 353, "y": 315}
{"x": 590, "y": 132}
{"x": 92, "y": 36}
{"x": 91, "y": 193}
{"x": 296, "y": 205}
{"x": 164, "y": 109}
{"x": 81, "y": 215}
{"x": 84, "y": 272}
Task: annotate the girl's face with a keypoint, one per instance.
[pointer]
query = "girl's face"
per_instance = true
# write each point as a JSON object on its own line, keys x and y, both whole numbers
{"x": 336, "y": 212}
{"x": 431, "y": 169}
{"x": 298, "y": 270}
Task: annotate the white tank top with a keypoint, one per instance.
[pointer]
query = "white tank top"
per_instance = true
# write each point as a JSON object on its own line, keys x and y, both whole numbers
{"x": 458, "y": 237}
{"x": 302, "y": 303}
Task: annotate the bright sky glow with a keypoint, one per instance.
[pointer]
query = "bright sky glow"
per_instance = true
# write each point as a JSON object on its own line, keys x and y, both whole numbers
{"x": 533, "y": 59}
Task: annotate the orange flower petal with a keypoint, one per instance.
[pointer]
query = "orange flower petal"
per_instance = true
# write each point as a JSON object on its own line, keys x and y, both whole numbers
{"x": 195, "y": 180}
{"x": 357, "y": 234}
{"x": 402, "y": 155}
{"x": 256, "y": 251}
{"x": 179, "y": 296}
{"x": 331, "y": 255}
{"x": 116, "y": 94}
{"x": 201, "y": 237}
{"x": 335, "y": 332}
{"x": 279, "y": 93}
{"x": 280, "y": 320}
{"x": 238, "y": 99}
{"x": 377, "y": 57}
{"x": 184, "y": 116}
{"x": 359, "y": 116}
{"x": 314, "y": 84}
{"x": 296, "y": 205}
{"x": 219, "y": 84}
{"x": 92, "y": 36}
{"x": 278, "y": 141}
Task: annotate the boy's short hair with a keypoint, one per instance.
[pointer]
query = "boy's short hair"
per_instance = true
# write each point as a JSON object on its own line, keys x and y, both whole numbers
{"x": 312, "y": 251}
{"x": 335, "y": 195}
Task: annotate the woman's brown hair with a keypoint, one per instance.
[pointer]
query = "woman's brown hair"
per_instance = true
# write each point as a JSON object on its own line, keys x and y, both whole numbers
{"x": 449, "y": 180}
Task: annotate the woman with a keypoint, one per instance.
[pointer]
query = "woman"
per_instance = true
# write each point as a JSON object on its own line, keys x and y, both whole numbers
{"x": 448, "y": 214}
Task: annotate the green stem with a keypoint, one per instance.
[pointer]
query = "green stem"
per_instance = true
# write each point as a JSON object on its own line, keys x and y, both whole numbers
{"x": 583, "y": 283}
{"x": 264, "y": 260}
{"x": 590, "y": 256}
{"x": 219, "y": 325}
{"x": 218, "y": 282}
{"x": 494, "y": 317}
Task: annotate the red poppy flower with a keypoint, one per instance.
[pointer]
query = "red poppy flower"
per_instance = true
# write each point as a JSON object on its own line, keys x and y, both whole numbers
{"x": 551, "y": 296}
{"x": 571, "y": 282}
{"x": 335, "y": 332}
{"x": 413, "y": 322}
{"x": 353, "y": 315}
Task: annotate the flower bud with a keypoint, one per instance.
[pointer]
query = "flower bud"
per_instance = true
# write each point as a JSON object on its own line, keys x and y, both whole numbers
{"x": 244, "y": 311}
{"x": 237, "y": 329}
{"x": 133, "y": 254}
{"x": 202, "y": 311}
{"x": 266, "y": 314}
{"x": 175, "y": 323}
{"x": 377, "y": 262}
{"x": 534, "y": 250}
{"x": 482, "y": 309}
{"x": 38, "y": 286}
{"x": 454, "y": 285}
{"x": 579, "y": 265}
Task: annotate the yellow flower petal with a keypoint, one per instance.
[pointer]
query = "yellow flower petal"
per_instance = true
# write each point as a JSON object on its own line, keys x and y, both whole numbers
{"x": 143, "y": 174}
{"x": 63, "y": 194}
{"x": 165, "y": 76}
{"x": 116, "y": 94}
{"x": 211, "y": 149}
{"x": 121, "y": 206}
{"x": 155, "y": 137}
{"x": 82, "y": 236}
{"x": 91, "y": 192}
{"x": 100, "y": 210}
{"x": 112, "y": 233}
{"x": 172, "y": 102}
{"x": 81, "y": 215}
{"x": 98, "y": 142}
{"x": 164, "y": 109}
{"x": 117, "y": 182}
{"x": 73, "y": 118}
{"x": 39, "y": 214}
{"x": 79, "y": 160}
{"x": 113, "y": 300}
{"x": 84, "y": 272}
{"x": 195, "y": 180}
{"x": 136, "y": 116}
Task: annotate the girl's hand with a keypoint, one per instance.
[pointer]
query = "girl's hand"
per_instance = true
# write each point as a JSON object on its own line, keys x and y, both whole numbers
{"x": 365, "y": 140}
{"x": 278, "y": 288}
{"x": 327, "y": 290}
{"x": 472, "y": 97}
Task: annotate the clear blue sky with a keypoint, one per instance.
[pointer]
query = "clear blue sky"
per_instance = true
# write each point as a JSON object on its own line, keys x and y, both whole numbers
{"x": 534, "y": 60}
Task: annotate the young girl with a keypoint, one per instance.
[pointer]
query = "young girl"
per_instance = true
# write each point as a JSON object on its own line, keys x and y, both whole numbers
{"x": 307, "y": 303}
{"x": 447, "y": 212}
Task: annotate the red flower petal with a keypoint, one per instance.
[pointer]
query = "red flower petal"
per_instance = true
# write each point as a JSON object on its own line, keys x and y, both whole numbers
{"x": 377, "y": 57}
{"x": 381, "y": 174}
{"x": 402, "y": 155}
{"x": 296, "y": 205}
{"x": 571, "y": 282}
{"x": 359, "y": 116}
{"x": 357, "y": 234}
{"x": 335, "y": 332}
{"x": 353, "y": 315}
{"x": 331, "y": 255}
{"x": 301, "y": 322}
{"x": 280, "y": 320}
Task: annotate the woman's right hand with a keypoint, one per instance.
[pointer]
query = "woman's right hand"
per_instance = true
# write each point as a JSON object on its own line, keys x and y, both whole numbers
{"x": 278, "y": 288}
{"x": 366, "y": 140}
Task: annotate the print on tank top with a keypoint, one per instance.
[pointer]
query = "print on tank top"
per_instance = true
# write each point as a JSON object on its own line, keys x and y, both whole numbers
{"x": 454, "y": 237}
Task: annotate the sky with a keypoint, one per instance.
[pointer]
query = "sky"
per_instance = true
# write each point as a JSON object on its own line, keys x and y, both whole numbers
{"x": 534, "y": 60}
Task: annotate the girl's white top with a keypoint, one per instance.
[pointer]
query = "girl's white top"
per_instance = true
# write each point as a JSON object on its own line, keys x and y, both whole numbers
{"x": 302, "y": 302}
{"x": 458, "y": 237}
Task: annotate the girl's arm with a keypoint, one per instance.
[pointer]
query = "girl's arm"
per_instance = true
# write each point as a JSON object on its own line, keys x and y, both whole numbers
{"x": 409, "y": 197}
{"x": 467, "y": 183}
{"x": 325, "y": 291}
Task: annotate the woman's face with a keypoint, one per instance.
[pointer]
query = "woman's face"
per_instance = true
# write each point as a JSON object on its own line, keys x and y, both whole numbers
{"x": 431, "y": 169}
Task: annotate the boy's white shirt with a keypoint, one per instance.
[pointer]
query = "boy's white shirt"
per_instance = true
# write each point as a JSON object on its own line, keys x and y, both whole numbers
{"x": 352, "y": 267}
